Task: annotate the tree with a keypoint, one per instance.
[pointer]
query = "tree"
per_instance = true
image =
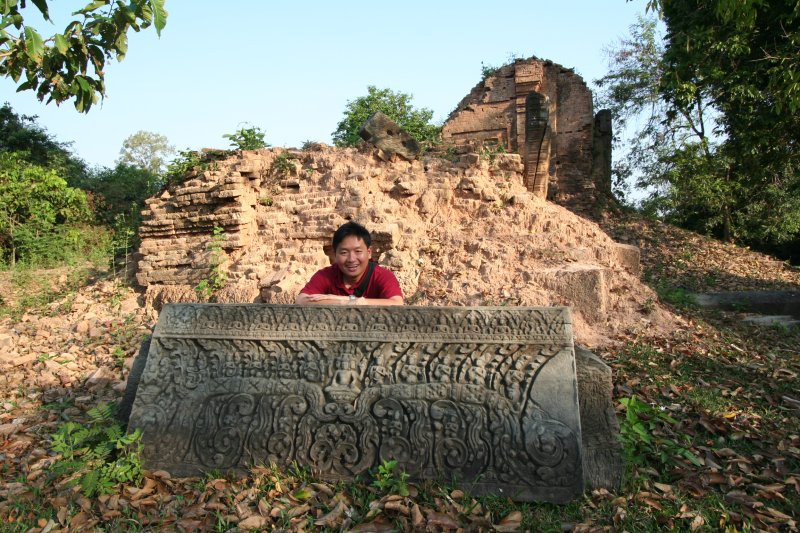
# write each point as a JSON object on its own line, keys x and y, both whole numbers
{"x": 146, "y": 150}
{"x": 395, "y": 105}
{"x": 743, "y": 57}
{"x": 718, "y": 139}
{"x": 69, "y": 65}
{"x": 33, "y": 201}
{"x": 669, "y": 144}
{"x": 122, "y": 190}
{"x": 21, "y": 135}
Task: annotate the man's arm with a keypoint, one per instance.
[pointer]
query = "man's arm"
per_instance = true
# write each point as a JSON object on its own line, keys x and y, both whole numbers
{"x": 321, "y": 299}
{"x": 335, "y": 299}
{"x": 394, "y": 300}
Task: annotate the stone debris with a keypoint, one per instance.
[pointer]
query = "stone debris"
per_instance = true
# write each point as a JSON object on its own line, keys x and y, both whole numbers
{"x": 82, "y": 341}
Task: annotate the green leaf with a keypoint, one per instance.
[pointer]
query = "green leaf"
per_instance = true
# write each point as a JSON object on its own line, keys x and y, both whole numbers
{"x": 91, "y": 7}
{"x": 34, "y": 45}
{"x": 42, "y": 5}
{"x": 302, "y": 494}
{"x": 83, "y": 94}
{"x": 121, "y": 45}
{"x": 145, "y": 12}
{"x": 159, "y": 15}
{"x": 26, "y": 86}
{"x": 692, "y": 457}
{"x": 62, "y": 45}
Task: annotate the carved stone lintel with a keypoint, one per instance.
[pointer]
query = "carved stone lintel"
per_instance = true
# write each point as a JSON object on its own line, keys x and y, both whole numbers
{"x": 486, "y": 396}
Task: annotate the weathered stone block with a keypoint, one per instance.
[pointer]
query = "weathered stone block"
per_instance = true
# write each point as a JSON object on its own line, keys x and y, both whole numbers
{"x": 629, "y": 257}
{"x": 386, "y": 135}
{"x": 602, "y": 451}
{"x": 483, "y": 395}
{"x": 582, "y": 285}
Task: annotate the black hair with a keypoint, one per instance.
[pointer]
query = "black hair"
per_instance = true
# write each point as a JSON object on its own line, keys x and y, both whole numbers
{"x": 351, "y": 229}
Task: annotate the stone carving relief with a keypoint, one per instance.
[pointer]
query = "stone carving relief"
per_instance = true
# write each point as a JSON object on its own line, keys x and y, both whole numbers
{"x": 450, "y": 393}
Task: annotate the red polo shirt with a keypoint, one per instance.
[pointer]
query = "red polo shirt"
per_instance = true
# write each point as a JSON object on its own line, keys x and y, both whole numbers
{"x": 382, "y": 284}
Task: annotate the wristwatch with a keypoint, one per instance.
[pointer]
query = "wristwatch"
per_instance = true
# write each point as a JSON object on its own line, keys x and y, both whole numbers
{"x": 353, "y": 298}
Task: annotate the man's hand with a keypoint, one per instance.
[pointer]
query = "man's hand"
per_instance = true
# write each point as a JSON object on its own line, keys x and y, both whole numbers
{"x": 321, "y": 299}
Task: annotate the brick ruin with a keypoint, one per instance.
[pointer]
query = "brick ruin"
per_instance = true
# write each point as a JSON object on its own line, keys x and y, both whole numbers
{"x": 544, "y": 112}
{"x": 464, "y": 226}
{"x": 456, "y": 232}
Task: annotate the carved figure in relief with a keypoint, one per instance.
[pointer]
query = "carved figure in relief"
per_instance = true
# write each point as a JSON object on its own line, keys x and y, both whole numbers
{"x": 476, "y": 375}
{"x": 346, "y": 381}
{"x": 284, "y": 369}
{"x": 352, "y": 278}
{"x": 512, "y": 382}
{"x": 377, "y": 376}
{"x": 311, "y": 371}
{"x": 411, "y": 373}
{"x": 442, "y": 373}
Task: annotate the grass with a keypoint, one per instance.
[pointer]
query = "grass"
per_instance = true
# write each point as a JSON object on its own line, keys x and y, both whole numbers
{"x": 27, "y": 289}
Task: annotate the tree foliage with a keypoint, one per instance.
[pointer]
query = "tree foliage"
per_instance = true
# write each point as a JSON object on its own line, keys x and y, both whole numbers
{"x": 121, "y": 191}
{"x": 33, "y": 201}
{"x": 251, "y": 138}
{"x": 146, "y": 150}
{"x": 672, "y": 152}
{"x": 51, "y": 202}
{"x": 70, "y": 65}
{"x": 743, "y": 56}
{"x": 21, "y": 135}
{"x": 395, "y": 105}
{"x": 712, "y": 104}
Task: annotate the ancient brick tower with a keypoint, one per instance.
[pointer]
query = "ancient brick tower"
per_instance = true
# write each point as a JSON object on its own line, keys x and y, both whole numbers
{"x": 544, "y": 112}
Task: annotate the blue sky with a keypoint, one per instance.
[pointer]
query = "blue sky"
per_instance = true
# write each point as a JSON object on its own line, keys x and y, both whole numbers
{"x": 290, "y": 68}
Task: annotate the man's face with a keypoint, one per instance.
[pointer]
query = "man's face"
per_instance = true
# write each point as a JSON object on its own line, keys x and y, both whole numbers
{"x": 352, "y": 257}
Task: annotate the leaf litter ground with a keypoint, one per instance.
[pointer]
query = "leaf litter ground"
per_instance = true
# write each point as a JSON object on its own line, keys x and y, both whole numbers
{"x": 715, "y": 444}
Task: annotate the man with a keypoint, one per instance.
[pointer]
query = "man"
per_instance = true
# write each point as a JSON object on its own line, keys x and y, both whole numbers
{"x": 352, "y": 279}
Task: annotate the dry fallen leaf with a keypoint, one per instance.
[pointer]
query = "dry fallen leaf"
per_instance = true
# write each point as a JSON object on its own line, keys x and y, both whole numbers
{"x": 417, "y": 518}
{"x": 511, "y": 522}
{"x": 697, "y": 523}
{"x": 441, "y": 520}
{"x": 379, "y": 525}
{"x": 331, "y": 519}
{"x": 253, "y": 522}
{"x": 663, "y": 487}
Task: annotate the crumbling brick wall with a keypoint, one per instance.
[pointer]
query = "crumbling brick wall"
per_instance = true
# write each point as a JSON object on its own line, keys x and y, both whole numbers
{"x": 560, "y": 165}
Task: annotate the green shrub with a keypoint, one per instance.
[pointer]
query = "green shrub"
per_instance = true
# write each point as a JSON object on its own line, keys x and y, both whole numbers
{"x": 395, "y": 105}
{"x": 217, "y": 277}
{"x": 489, "y": 151}
{"x": 388, "y": 481}
{"x": 186, "y": 161}
{"x": 247, "y": 139}
{"x": 488, "y": 70}
{"x": 59, "y": 245}
{"x": 37, "y": 208}
{"x": 283, "y": 166}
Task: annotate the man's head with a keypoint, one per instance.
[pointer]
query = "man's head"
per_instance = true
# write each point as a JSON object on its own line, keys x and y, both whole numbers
{"x": 353, "y": 229}
{"x": 351, "y": 250}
